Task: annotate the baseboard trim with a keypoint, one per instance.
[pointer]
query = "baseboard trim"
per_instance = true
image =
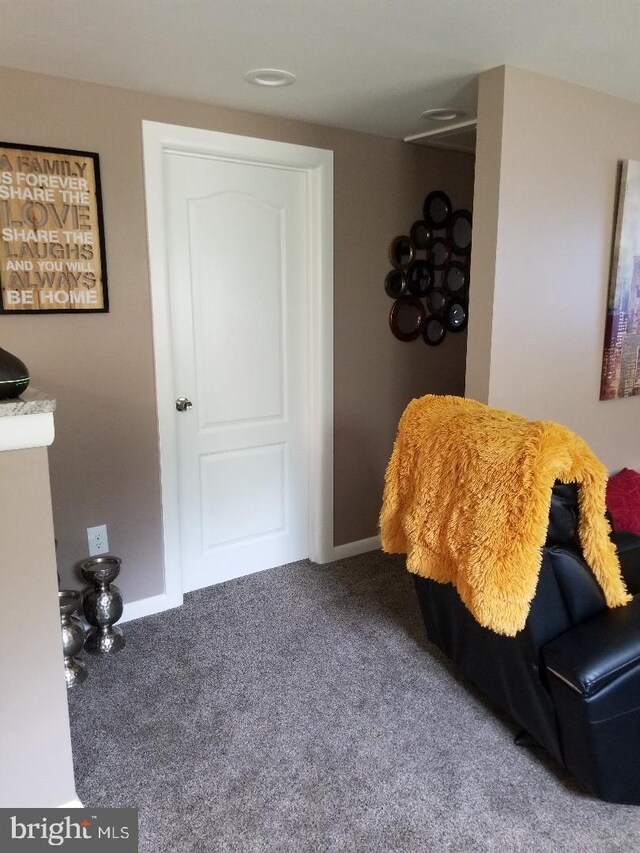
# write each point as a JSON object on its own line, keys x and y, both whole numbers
{"x": 72, "y": 804}
{"x": 352, "y": 549}
{"x": 149, "y": 606}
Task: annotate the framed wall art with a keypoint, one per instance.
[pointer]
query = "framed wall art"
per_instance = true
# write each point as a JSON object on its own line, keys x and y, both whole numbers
{"x": 621, "y": 356}
{"x": 52, "y": 256}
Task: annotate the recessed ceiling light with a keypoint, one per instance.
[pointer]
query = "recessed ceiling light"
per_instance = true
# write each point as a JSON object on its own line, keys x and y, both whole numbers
{"x": 442, "y": 114}
{"x": 270, "y": 77}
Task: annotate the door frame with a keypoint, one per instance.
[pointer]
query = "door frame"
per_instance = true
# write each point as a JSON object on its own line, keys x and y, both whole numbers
{"x": 317, "y": 165}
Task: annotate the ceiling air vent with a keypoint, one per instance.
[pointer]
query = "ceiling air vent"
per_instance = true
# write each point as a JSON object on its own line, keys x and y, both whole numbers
{"x": 457, "y": 137}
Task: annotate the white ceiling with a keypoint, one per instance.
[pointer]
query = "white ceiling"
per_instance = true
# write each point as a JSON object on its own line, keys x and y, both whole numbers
{"x": 369, "y": 65}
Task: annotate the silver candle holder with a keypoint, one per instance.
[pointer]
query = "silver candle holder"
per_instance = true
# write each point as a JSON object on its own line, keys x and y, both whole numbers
{"x": 75, "y": 671}
{"x": 102, "y": 605}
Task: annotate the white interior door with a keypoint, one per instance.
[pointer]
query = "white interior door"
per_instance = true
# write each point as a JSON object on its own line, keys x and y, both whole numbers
{"x": 238, "y": 266}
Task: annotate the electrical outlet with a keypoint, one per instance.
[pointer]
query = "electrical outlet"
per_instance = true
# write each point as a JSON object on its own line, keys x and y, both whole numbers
{"x": 97, "y": 539}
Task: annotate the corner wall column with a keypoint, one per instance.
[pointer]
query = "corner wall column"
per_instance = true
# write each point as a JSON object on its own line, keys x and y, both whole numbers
{"x": 36, "y": 767}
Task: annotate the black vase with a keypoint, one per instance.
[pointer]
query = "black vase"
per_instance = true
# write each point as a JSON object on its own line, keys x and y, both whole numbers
{"x": 14, "y": 376}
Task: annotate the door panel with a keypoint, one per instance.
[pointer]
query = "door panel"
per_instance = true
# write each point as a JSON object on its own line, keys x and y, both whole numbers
{"x": 242, "y": 494}
{"x": 238, "y": 276}
{"x": 246, "y": 302}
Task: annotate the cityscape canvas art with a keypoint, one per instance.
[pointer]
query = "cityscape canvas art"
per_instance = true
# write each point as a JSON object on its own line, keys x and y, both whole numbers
{"x": 621, "y": 357}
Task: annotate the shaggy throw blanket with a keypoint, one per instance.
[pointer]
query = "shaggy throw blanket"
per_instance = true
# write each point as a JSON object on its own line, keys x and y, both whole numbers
{"x": 467, "y": 497}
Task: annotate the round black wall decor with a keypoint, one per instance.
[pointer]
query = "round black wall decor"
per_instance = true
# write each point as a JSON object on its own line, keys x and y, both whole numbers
{"x": 407, "y": 317}
{"x": 454, "y": 278}
{"x": 460, "y": 232}
{"x": 401, "y": 252}
{"x": 420, "y": 234}
{"x": 436, "y": 300}
{"x": 395, "y": 283}
{"x": 429, "y": 282}
{"x": 420, "y": 278}
{"x": 434, "y": 331}
{"x": 456, "y": 315}
{"x": 439, "y": 252}
{"x": 437, "y": 210}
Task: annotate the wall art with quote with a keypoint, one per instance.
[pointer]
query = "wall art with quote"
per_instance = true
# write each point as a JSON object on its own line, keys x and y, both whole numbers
{"x": 52, "y": 257}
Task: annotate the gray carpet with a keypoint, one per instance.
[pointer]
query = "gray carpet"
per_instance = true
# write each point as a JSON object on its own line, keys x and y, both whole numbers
{"x": 301, "y": 709}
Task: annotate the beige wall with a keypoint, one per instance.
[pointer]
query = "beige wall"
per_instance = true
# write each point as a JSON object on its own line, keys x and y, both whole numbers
{"x": 547, "y": 230}
{"x": 104, "y": 462}
{"x": 485, "y": 229}
{"x": 36, "y": 767}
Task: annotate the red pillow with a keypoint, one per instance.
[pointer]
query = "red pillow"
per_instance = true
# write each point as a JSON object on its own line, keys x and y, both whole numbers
{"x": 623, "y": 500}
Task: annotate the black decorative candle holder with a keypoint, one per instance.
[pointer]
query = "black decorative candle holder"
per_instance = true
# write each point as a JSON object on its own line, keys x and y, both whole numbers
{"x": 102, "y": 605}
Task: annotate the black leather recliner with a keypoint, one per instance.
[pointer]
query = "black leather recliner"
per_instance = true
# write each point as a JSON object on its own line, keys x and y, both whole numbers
{"x": 571, "y": 677}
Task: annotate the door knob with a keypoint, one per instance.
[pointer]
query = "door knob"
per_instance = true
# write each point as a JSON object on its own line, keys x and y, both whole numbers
{"x": 183, "y": 404}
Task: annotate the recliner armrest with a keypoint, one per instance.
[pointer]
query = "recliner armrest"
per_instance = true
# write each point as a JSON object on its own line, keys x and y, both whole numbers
{"x": 594, "y": 678}
{"x": 598, "y": 651}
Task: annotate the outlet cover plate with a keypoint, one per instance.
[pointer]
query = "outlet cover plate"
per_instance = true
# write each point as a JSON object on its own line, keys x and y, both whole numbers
{"x": 97, "y": 539}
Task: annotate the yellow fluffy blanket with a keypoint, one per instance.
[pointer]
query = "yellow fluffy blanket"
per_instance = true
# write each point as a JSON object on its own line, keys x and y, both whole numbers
{"x": 467, "y": 497}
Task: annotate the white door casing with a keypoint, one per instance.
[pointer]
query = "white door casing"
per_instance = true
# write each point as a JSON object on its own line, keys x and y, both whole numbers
{"x": 252, "y": 435}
